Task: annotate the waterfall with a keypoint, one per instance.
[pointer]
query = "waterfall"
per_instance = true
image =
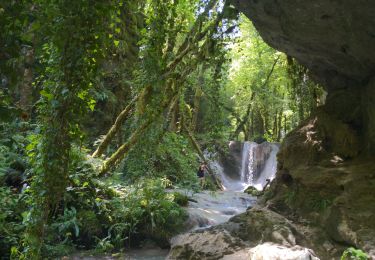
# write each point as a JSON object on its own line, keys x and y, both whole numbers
{"x": 246, "y": 149}
{"x": 247, "y": 164}
{"x": 258, "y": 163}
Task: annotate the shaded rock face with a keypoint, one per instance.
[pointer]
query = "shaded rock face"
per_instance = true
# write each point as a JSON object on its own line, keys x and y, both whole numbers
{"x": 330, "y": 184}
{"x": 334, "y": 40}
{"x": 231, "y": 161}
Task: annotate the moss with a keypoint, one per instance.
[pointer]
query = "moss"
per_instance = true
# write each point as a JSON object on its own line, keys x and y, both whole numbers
{"x": 253, "y": 191}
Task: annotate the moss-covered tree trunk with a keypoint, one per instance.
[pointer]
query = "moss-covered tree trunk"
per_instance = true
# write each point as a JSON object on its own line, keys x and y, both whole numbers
{"x": 115, "y": 128}
{"x": 69, "y": 58}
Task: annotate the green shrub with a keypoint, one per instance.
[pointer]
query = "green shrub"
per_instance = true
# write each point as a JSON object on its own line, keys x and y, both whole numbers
{"x": 319, "y": 203}
{"x": 180, "y": 199}
{"x": 355, "y": 254}
{"x": 148, "y": 211}
{"x": 95, "y": 215}
{"x": 12, "y": 207}
{"x": 172, "y": 157}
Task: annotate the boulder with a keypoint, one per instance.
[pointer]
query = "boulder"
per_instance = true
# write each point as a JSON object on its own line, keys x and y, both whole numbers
{"x": 253, "y": 191}
{"x": 271, "y": 251}
{"x": 240, "y": 237}
{"x": 208, "y": 244}
{"x": 259, "y": 225}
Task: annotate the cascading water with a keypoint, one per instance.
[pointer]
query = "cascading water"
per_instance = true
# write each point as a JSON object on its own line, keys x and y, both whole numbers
{"x": 257, "y": 164}
{"x": 254, "y": 164}
{"x": 245, "y": 165}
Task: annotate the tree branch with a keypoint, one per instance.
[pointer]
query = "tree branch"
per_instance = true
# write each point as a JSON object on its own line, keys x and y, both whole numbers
{"x": 114, "y": 129}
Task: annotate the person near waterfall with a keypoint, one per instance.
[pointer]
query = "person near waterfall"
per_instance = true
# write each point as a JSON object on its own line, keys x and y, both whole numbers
{"x": 201, "y": 173}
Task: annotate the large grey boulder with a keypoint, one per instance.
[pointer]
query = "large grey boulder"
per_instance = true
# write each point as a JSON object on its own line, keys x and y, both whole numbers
{"x": 271, "y": 251}
{"x": 241, "y": 237}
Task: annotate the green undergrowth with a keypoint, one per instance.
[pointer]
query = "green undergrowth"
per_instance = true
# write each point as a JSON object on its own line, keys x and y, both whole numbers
{"x": 354, "y": 254}
{"x": 110, "y": 218}
{"x": 99, "y": 215}
{"x": 95, "y": 215}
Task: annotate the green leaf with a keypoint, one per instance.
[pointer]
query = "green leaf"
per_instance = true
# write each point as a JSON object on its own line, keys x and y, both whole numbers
{"x": 92, "y": 104}
{"x": 45, "y": 94}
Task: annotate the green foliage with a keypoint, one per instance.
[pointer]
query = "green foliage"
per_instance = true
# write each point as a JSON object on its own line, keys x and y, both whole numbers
{"x": 180, "y": 199}
{"x": 319, "y": 203}
{"x": 172, "y": 158}
{"x": 13, "y": 166}
{"x": 12, "y": 145}
{"x": 15, "y": 17}
{"x": 290, "y": 197}
{"x": 98, "y": 216}
{"x": 355, "y": 254}
{"x": 144, "y": 210}
{"x": 12, "y": 207}
{"x": 91, "y": 58}
{"x": 69, "y": 53}
{"x": 272, "y": 92}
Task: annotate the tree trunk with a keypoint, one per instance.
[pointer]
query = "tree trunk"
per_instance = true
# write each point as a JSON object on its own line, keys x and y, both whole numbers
{"x": 285, "y": 130}
{"x": 114, "y": 129}
{"x": 197, "y": 100}
{"x": 116, "y": 158}
{"x": 279, "y": 125}
{"x": 252, "y": 123}
{"x": 275, "y": 126}
{"x": 26, "y": 90}
{"x": 241, "y": 124}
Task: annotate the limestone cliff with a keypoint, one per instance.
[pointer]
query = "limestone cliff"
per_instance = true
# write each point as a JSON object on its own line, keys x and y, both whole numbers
{"x": 326, "y": 171}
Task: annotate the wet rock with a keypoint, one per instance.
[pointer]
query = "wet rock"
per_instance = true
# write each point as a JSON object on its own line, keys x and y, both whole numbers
{"x": 260, "y": 225}
{"x": 252, "y": 191}
{"x": 273, "y": 251}
{"x": 231, "y": 159}
{"x": 233, "y": 239}
{"x": 207, "y": 244}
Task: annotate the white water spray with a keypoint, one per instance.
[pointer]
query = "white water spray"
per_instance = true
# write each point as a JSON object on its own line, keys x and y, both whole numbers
{"x": 258, "y": 163}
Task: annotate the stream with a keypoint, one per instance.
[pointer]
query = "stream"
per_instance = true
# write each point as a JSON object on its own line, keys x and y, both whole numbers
{"x": 251, "y": 165}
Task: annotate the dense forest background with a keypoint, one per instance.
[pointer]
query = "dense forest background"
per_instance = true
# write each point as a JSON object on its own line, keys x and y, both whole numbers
{"x": 104, "y": 104}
